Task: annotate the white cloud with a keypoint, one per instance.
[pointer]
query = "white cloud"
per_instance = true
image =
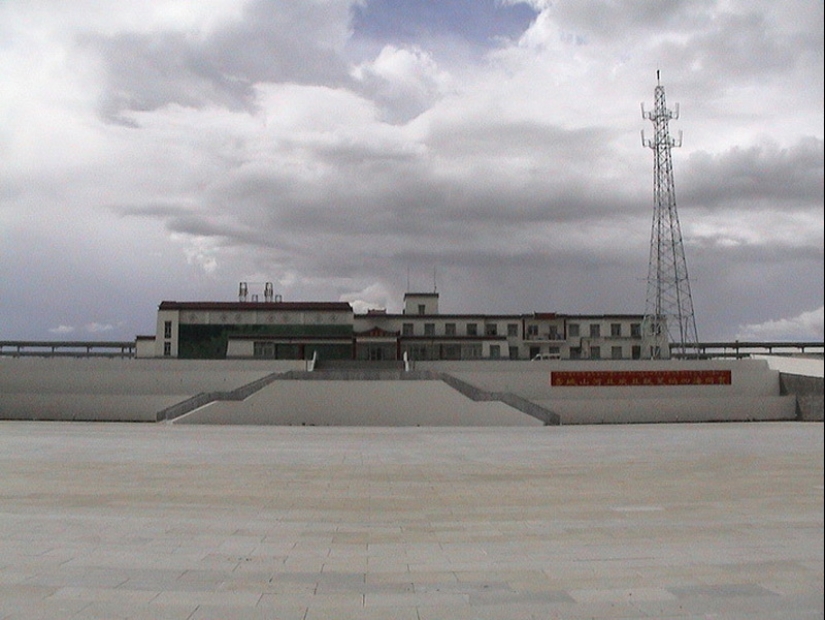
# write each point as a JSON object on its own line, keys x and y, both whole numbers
{"x": 405, "y": 80}
{"x": 375, "y": 296}
{"x": 200, "y": 251}
{"x": 62, "y": 329}
{"x": 97, "y": 328}
{"x": 807, "y": 326}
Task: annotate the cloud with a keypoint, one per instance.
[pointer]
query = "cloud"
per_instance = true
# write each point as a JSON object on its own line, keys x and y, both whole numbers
{"x": 62, "y": 329}
{"x": 97, "y": 328}
{"x": 169, "y": 149}
{"x": 807, "y": 326}
{"x": 296, "y": 42}
{"x": 200, "y": 250}
{"x": 759, "y": 176}
{"x": 373, "y": 297}
{"x": 404, "y": 81}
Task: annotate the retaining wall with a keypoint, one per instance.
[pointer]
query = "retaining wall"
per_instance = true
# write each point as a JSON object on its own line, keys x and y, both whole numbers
{"x": 126, "y": 390}
{"x": 141, "y": 390}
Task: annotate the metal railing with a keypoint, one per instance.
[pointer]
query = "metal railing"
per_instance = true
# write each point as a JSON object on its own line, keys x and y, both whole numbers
{"x": 66, "y": 348}
{"x": 739, "y": 349}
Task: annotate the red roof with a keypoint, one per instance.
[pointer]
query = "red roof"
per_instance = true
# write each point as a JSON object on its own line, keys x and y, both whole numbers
{"x": 233, "y": 306}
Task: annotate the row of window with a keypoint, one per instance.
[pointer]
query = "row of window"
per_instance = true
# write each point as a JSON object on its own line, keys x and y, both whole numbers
{"x": 574, "y": 330}
{"x": 422, "y": 352}
{"x": 451, "y": 329}
{"x": 491, "y": 329}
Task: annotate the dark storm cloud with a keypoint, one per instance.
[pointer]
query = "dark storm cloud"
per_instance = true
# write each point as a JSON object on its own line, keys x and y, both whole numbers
{"x": 272, "y": 42}
{"x": 762, "y": 176}
{"x": 410, "y": 199}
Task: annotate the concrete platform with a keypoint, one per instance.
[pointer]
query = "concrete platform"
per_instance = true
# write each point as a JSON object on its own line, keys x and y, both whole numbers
{"x": 685, "y": 521}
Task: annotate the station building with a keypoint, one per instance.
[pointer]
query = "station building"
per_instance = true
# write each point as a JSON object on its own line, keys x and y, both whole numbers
{"x": 275, "y": 329}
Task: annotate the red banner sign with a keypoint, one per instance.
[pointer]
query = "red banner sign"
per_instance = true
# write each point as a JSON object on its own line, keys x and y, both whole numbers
{"x": 615, "y": 378}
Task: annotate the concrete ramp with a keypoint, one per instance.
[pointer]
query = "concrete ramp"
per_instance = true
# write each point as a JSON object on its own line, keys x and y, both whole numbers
{"x": 359, "y": 403}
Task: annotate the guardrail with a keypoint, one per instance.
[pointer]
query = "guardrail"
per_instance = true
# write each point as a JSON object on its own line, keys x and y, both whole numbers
{"x": 66, "y": 348}
{"x": 746, "y": 349}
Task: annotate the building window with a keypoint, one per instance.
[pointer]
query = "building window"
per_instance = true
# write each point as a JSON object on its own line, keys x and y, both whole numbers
{"x": 491, "y": 329}
{"x": 595, "y": 353}
{"x": 552, "y": 333}
{"x": 167, "y": 349}
{"x": 429, "y": 329}
{"x": 636, "y": 330}
{"x": 167, "y": 329}
{"x": 532, "y": 331}
{"x": 616, "y": 353}
{"x": 553, "y": 350}
{"x": 451, "y": 352}
{"x": 513, "y": 353}
{"x": 407, "y": 329}
{"x": 512, "y": 330}
{"x": 422, "y": 309}
{"x": 472, "y": 329}
{"x": 449, "y": 329}
{"x": 263, "y": 349}
{"x": 573, "y": 330}
{"x": 595, "y": 330}
{"x": 636, "y": 352}
{"x": 495, "y": 350}
{"x": 418, "y": 353}
{"x": 616, "y": 329}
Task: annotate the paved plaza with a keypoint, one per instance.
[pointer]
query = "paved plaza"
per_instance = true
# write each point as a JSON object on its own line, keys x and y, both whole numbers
{"x": 158, "y": 521}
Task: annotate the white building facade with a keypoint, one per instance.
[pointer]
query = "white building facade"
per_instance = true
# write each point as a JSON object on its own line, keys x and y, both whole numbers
{"x": 330, "y": 330}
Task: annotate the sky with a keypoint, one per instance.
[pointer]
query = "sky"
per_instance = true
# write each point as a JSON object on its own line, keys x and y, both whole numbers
{"x": 352, "y": 150}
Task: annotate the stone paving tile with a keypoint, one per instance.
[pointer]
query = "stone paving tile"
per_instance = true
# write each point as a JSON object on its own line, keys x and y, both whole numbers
{"x": 363, "y": 613}
{"x": 327, "y": 601}
{"x": 765, "y": 607}
{"x": 39, "y": 609}
{"x": 118, "y": 521}
{"x": 415, "y": 599}
{"x": 207, "y": 597}
{"x": 208, "y": 612}
{"x": 119, "y": 610}
{"x": 129, "y": 597}
{"x": 622, "y": 596}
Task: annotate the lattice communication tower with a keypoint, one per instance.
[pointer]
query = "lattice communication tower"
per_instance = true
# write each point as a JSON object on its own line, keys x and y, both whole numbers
{"x": 669, "y": 314}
